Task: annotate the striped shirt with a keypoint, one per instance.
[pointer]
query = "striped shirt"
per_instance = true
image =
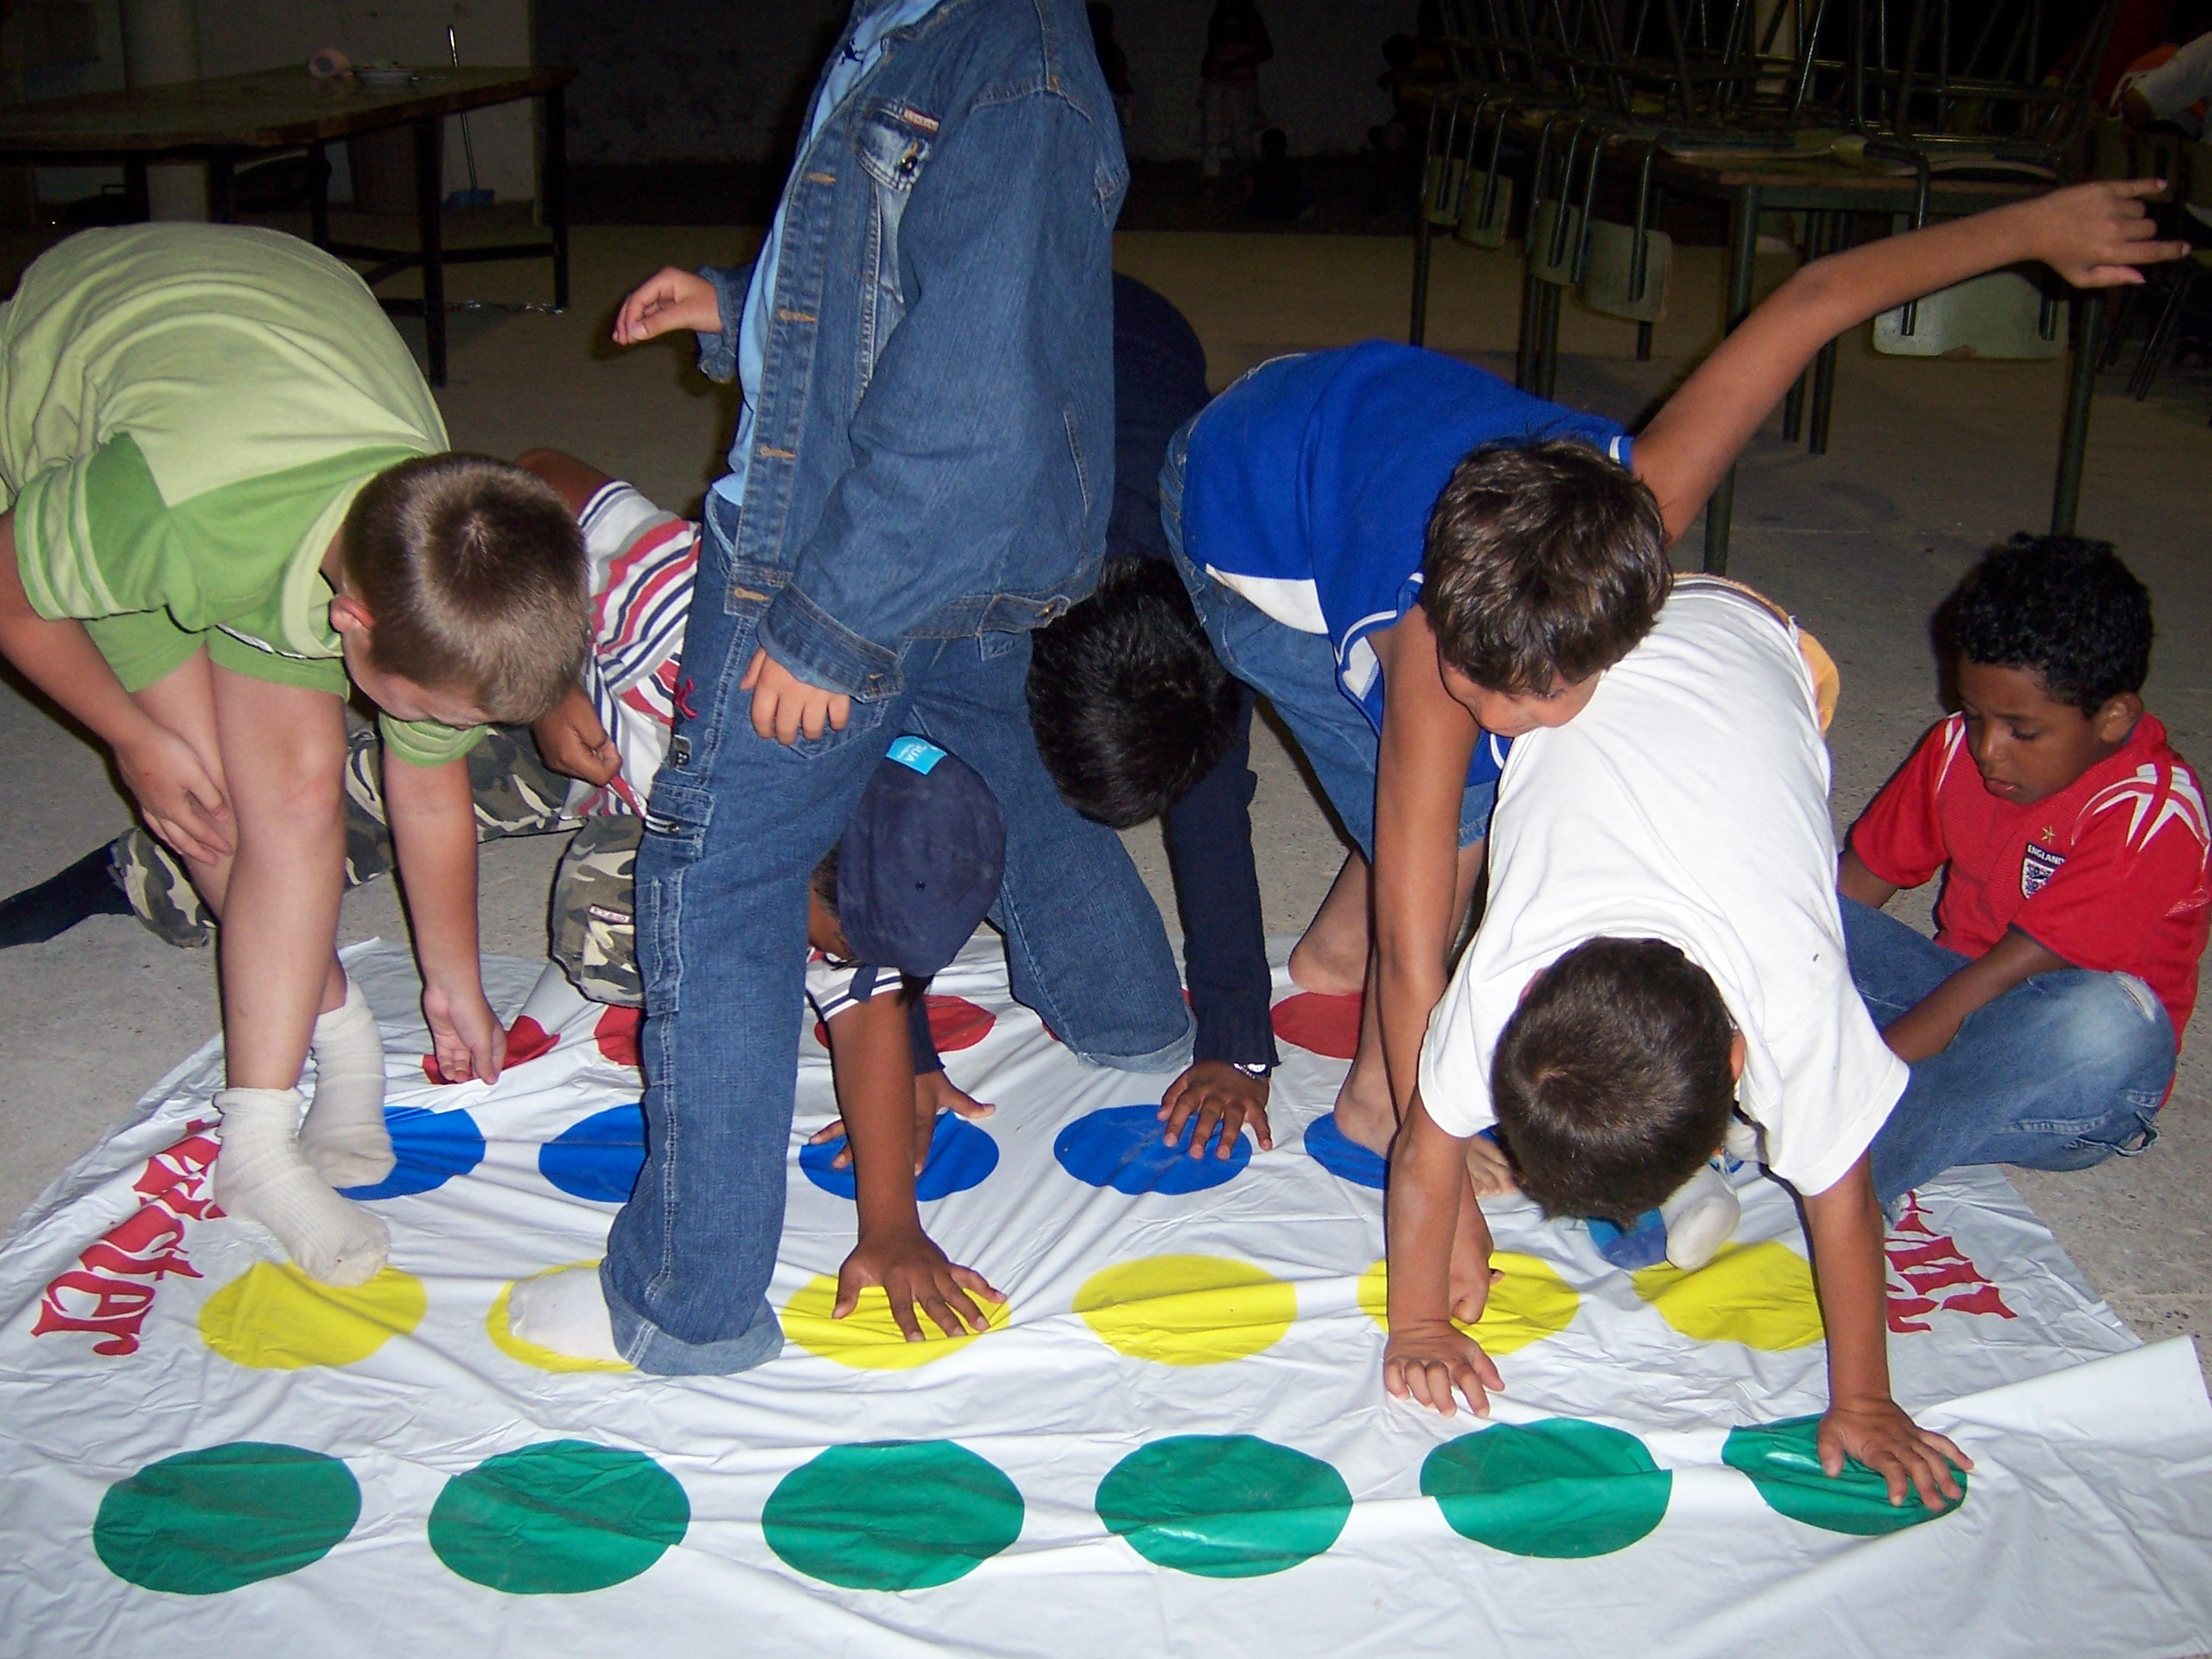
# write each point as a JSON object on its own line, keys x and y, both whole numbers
{"x": 642, "y": 561}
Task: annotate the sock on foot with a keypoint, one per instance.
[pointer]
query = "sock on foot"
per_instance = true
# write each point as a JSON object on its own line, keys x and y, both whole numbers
{"x": 1699, "y": 1217}
{"x": 57, "y": 904}
{"x": 344, "y": 1137}
{"x": 566, "y": 1312}
{"x": 262, "y": 1176}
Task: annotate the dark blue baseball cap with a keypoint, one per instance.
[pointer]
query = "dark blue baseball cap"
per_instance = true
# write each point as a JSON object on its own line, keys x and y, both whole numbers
{"x": 920, "y": 860}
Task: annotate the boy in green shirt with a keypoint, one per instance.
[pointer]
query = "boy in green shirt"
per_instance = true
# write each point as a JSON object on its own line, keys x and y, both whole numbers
{"x": 227, "y": 494}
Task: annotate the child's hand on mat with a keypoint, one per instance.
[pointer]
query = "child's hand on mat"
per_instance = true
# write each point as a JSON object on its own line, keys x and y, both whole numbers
{"x": 2095, "y": 235}
{"x": 1488, "y": 1171}
{"x": 1428, "y": 1359}
{"x": 1879, "y": 1434}
{"x": 934, "y": 1092}
{"x": 914, "y": 1272}
{"x": 182, "y": 802}
{"x": 574, "y": 741}
{"x": 668, "y": 298}
{"x": 1215, "y": 1092}
{"x": 470, "y": 1041}
{"x": 784, "y": 706}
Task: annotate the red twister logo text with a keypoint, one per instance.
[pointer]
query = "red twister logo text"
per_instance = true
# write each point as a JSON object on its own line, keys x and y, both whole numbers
{"x": 111, "y": 1290}
{"x": 1927, "y": 1271}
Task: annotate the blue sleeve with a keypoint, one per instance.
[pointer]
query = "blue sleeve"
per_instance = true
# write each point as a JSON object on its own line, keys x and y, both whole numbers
{"x": 1218, "y": 893}
{"x": 718, "y": 353}
{"x": 923, "y": 1040}
{"x": 967, "y": 432}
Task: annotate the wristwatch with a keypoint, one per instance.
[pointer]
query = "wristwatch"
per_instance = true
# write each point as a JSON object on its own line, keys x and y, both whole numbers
{"x": 1253, "y": 1068}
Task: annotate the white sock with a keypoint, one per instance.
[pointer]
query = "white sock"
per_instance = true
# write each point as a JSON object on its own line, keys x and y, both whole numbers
{"x": 566, "y": 1312}
{"x": 262, "y": 1176}
{"x": 1699, "y": 1217}
{"x": 344, "y": 1137}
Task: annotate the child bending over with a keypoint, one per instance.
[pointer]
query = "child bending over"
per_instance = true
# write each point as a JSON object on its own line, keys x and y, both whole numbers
{"x": 2041, "y": 1023}
{"x": 228, "y": 498}
{"x": 891, "y": 904}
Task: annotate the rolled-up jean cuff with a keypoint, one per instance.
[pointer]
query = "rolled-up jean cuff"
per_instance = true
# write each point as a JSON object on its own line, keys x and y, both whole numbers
{"x": 1173, "y": 1057}
{"x": 655, "y": 1352}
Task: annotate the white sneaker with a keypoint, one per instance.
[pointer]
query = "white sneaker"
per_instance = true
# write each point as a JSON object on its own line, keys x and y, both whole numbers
{"x": 1700, "y": 1218}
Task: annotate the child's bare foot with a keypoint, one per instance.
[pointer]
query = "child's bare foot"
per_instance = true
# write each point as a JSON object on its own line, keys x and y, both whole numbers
{"x": 1365, "y": 1114}
{"x": 1488, "y": 1171}
{"x": 566, "y": 1312}
{"x": 344, "y": 1138}
{"x": 262, "y": 1176}
{"x": 1331, "y": 960}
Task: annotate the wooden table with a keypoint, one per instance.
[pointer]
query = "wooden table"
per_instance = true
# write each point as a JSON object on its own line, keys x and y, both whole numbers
{"x": 1819, "y": 184}
{"x": 234, "y": 117}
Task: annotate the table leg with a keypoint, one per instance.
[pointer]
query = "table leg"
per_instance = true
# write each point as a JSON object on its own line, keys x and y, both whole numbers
{"x": 137, "y": 203}
{"x": 429, "y": 204}
{"x": 1424, "y": 238}
{"x": 554, "y": 186}
{"x": 1743, "y": 266}
{"x": 2073, "y": 436}
{"x": 1548, "y": 342}
{"x": 1644, "y": 342}
{"x": 222, "y": 210}
{"x": 319, "y": 195}
{"x": 1524, "y": 354}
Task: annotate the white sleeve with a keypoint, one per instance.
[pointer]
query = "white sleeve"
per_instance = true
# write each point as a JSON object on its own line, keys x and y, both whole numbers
{"x": 1456, "y": 1055}
{"x": 2179, "y": 81}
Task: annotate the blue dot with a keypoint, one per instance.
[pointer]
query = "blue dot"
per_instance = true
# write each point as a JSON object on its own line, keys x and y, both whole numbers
{"x": 432, "y": 1148}
{"x": 1120, "y": 1147}
{"x": 960, "y": 1156}
{"x": 1327, "y": 1146}
{"x": 597, "y": 1158}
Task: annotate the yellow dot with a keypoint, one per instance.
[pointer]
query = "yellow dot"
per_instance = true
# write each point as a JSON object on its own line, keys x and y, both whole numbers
{"x": 276, "y": 1318}
{"x": 531, "y": 1353}
{"x": 868, "y": 1337}
{"x": 1187, "y": 1309}
{"x": 1760, "y": 1294}
{"x": 1527, "y": 1303}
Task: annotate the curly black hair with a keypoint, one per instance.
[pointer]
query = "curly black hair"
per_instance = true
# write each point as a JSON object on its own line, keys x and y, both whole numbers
{"x": 2063, "y": 608}
{"x": 1130, "y": 705}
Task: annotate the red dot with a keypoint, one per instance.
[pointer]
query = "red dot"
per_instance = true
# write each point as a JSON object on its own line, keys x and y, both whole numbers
{"x": 956, "y": 1023}
{"x": 616, "y": 1034}
{"x": 1325, "y": 1025}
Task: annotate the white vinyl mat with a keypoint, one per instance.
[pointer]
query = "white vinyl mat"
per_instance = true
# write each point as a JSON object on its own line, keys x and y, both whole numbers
{"x": 1177, "y": 1442}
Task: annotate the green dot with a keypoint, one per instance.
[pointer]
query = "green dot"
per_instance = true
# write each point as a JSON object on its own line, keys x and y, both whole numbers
{"x": 558, "y": 1517}
{"x": 208, "y": 1520}
{"x": 1223, "y": 1506}
{"x": 1783, "y": 1462}
{"x": 1562, "y": 1488}
{"x": 892, "y": 1515}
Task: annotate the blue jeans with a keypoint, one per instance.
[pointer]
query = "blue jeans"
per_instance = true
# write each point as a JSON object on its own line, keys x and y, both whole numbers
{"x": 735, "y": 826}
{"x": 1297, "y": 672}
{"x": 2059, "y": 1073}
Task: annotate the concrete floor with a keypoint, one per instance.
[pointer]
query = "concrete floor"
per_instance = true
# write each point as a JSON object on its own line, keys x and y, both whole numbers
{"x": 1932, "y": 462}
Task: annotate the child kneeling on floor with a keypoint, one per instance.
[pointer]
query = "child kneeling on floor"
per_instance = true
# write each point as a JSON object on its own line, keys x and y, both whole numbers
{"x": 2042, "y": 1022}
{"x": 890, "y": 905}
{"x": 1663, "y": 941}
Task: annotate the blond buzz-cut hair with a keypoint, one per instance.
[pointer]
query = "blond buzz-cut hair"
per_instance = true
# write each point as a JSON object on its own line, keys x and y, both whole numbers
{"x": 473, "y": 573}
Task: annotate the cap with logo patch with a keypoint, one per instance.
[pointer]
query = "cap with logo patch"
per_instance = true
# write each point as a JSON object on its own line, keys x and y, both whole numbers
{"x": 920, "y": 860}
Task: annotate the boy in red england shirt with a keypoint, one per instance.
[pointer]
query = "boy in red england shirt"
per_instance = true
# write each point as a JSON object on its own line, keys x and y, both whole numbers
{"x": 2042, "y": 1022}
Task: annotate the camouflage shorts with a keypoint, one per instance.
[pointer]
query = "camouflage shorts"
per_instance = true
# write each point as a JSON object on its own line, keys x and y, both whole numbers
{"x": 594, "y": 902}
{"x": 516, "y": 794}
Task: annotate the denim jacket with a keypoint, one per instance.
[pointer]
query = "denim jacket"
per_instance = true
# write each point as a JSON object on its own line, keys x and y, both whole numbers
{"x": 933, "y": 445}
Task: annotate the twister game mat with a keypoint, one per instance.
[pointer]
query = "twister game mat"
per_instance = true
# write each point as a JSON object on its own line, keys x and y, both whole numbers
{"x": 1173, "y": 1442}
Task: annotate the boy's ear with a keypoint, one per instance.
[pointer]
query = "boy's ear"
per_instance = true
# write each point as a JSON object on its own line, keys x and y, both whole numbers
{"x": 1737, "y": 1049}
{"x": 2118, "y": 717}
{"x": 350, "y": 618}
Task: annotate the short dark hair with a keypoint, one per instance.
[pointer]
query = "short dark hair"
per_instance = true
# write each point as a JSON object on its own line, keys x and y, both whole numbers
{"x": 1545, "y": 562}
{"x": 1612, "y": 1082}
{"x": 1130, "y": 705}
{"x": 2063, "y": 608}
{"x": 473, "y": 570}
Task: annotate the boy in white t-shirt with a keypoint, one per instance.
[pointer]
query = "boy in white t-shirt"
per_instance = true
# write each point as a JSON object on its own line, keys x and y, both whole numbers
{"x": 1663, "y": 942}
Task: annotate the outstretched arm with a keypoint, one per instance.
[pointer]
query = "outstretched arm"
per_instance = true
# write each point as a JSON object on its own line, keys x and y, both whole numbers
{"x": 1844, "y": 1226}
{"x": 1428, "y": 1358}
{"x": 2095, "y": 235}
{"x": 433, "y": 816}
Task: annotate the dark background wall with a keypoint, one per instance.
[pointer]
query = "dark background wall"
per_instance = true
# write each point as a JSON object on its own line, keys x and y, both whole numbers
{"x": 727, "y": 80}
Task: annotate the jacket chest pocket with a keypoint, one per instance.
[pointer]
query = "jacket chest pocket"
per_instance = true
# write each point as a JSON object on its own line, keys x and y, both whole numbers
{"x": 893, "y": 145}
